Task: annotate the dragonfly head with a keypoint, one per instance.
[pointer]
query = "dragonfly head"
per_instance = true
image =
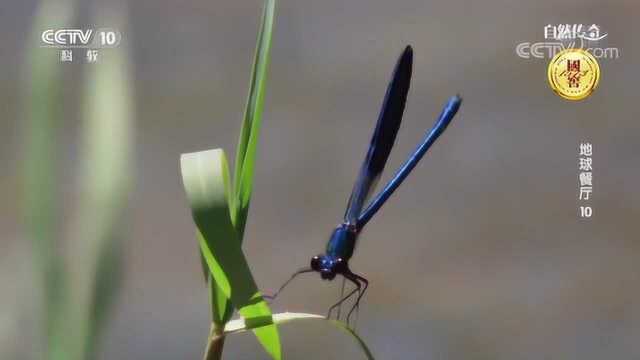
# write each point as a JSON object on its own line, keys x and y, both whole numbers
{"x": 328, "y": 266}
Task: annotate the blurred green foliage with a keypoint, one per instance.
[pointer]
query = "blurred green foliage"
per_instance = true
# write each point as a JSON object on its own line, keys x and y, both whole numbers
{"x": 78, "y": 287}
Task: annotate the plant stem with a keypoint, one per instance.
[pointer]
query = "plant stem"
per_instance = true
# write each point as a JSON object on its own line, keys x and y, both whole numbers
{"x": 215, "y": 343}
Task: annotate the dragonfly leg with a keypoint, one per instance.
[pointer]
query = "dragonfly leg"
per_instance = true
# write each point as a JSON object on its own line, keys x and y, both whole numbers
{"x": 354, "y": 280}
{"x": 344, "y": 283}
{"x": 272, "y": 298}
{"x": 356, "y": 306}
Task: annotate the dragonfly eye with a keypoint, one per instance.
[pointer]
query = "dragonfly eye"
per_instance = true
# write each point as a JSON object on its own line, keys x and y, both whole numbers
{"x": 315, "y": 263}
{"x": 340, "y": 266}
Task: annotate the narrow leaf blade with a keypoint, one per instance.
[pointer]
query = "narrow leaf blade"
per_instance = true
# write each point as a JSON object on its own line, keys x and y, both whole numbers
{"x": 247, "y": 146}
{"x": 106, "y": 176}
{"x": 39, "y": 165}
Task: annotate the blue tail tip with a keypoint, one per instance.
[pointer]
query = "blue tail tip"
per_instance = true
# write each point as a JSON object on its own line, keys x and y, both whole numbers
{"x": 454, "y": 103}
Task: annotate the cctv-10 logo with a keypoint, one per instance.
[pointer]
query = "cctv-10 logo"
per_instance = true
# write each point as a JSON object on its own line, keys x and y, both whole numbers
{"x": 79, "y": 38}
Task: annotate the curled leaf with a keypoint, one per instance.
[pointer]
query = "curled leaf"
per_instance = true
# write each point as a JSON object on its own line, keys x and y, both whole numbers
{"x": 206, "y": 181}
{"x": 239, "y": 325}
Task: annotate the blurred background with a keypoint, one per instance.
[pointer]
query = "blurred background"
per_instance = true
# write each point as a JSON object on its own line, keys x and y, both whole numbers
{"x": 481, "y": 253}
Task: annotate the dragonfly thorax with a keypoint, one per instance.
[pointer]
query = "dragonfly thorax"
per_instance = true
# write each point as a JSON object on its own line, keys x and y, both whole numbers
{"x": 342, "y": 242}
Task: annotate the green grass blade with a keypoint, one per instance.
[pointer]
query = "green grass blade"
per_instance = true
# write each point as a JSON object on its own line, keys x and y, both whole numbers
{"x": 106, "y": 181}
{"x": 239, "y": 325}
{"x": 205, "y": 177}
{"x": 248, "y": 143}
{"x": 221, "y": 307}
{"x": 206, "y": 180}
{"x": 246, "y": 146}
{"x": 220, "y": 210}
{"x": 43, "y": 111}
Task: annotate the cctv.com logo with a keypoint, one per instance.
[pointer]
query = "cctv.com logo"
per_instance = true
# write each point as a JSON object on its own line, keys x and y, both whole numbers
{"x": 548, "y": 49}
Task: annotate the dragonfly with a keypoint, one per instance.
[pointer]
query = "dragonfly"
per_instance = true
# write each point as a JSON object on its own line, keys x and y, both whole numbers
{"x": 342, "y": 242}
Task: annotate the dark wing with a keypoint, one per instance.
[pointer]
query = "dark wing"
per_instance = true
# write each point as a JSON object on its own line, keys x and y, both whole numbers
{"x": 447, "y": 114}
{"x": 383, "y": 137}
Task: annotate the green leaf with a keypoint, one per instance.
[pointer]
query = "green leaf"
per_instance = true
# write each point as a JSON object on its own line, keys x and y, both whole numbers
{"x": 248, "y": 143}
{"x": 239, "y": 325}
{"x": 106, "y": 178}
{"x": 221, "y": 307}
{"x": 43, "y": 95}
{"x": 206, "y": 180}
